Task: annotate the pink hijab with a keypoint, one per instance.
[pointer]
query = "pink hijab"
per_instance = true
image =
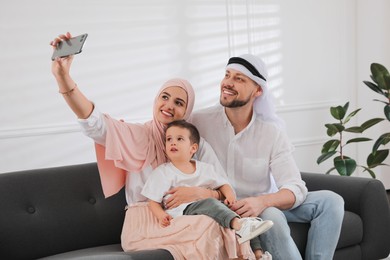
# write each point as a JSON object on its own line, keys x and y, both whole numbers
{"x": 132, "y": 147}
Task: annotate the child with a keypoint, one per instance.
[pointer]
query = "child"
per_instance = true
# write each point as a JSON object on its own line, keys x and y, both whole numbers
{"x": 182, "y": 140}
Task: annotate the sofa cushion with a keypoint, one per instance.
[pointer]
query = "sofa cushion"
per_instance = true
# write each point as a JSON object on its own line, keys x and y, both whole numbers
{"x": 111, "y": 252}
{"x": 299, "y": 235}
{"x": 351, "y": 231}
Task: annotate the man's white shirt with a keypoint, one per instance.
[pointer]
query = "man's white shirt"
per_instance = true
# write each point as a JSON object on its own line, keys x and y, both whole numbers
{"x": 258, "y": 160}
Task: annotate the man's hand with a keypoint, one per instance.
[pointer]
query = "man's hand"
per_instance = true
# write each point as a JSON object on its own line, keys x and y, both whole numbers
{"x": 249, "y": 207}
{"x": 180, "y": 195}
{"x": 254, "y": 206}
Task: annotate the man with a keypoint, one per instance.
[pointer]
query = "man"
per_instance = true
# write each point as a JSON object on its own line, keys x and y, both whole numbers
{"x": 256, "y": 154}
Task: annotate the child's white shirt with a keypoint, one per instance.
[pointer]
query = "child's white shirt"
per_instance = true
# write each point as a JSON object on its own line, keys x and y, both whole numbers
{"x": 167, "y": 176}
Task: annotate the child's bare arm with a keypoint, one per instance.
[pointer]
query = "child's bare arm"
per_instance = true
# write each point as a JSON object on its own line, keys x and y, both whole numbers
{"x": 229, "y": 194}
{"x": 163, "y": 218}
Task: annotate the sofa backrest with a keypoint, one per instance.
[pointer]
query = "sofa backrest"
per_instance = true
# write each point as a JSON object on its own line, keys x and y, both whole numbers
{"x": 50, "y": 211}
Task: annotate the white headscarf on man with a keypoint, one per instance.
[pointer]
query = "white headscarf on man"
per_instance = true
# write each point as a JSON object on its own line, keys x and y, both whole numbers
{"x": 250, "y": 65}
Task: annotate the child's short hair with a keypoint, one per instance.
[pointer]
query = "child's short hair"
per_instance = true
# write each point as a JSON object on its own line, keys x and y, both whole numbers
{"x": 194, "y": 133}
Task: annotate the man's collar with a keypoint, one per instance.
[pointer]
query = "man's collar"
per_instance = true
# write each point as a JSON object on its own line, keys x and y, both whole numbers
{"x": 226, "y": 121}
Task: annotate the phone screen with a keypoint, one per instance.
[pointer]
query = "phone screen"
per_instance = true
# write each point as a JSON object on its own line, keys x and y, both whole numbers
{"x": 70, "y": 47}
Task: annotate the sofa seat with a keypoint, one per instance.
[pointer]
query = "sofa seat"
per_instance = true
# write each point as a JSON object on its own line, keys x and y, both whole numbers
{"x": 113, "y": 251}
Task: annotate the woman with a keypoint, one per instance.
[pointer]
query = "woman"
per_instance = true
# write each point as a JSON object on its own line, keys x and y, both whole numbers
{"x": 126, "y": 155}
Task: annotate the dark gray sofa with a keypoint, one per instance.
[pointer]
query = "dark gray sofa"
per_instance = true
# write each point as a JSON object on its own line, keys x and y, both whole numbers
{"x": 61, "y": 213}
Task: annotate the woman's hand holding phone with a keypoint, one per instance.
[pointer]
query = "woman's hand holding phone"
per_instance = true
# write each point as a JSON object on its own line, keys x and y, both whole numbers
{"x": 66, "y": 45}
{"x": 61, "y": 65}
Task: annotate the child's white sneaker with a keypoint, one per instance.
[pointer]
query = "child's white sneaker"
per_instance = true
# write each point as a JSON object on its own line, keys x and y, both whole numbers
{"x": 266, "y": 256}
{"x": 252, "y": 227}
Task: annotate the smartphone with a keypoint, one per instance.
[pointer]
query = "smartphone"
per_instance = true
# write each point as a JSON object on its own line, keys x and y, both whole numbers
{"x": 69, "y": 47}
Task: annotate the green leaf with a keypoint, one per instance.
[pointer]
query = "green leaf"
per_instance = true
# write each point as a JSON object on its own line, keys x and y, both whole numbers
{"x": 359, "y": 139}
{"x": 381, "y": 75}
{"x": 374, "y": 87}
{"x": 330, "y": 146}
{"x": 351, "y": 115}
{"x": 370, "y": 123}
{"x": 380, "y": 101}
{"x": 387, "y": 111}
{"x": 345, "y": 166}
{"x": 354, "y": 129}
{"x": 345, "y": 107}
{"x": 325, "y": 156}
{"x": 387, "y": 81}
{"x": 375, "y": 159}
{"x": 382, "y": 140}
{"x": 339, "y": 111}
{"x": 371, "y": 172}
{"x": 334, "y": 129}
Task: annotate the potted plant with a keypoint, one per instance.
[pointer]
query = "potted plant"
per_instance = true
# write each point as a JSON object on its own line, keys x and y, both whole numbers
{"x": 335, "y": 147}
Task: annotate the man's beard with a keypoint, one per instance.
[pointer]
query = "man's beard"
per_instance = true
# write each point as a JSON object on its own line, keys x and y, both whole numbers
{"x": 234, "y": 103}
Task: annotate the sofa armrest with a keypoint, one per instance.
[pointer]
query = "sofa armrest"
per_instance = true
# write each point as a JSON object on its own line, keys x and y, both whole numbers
{"x": 365, "y": 197}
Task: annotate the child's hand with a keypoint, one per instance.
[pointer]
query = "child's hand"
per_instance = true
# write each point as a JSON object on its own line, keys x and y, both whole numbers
{"x": 165, "y": 220}
{"x": 230, "y": 201}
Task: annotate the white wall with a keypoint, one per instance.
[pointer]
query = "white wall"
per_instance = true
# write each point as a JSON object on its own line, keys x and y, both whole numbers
{"x": 373, "y": 41}
{"x": 317, "y": 53}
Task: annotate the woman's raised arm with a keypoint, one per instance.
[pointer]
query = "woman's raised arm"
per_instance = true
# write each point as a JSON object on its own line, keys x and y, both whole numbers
{"x": 60, "y": 68}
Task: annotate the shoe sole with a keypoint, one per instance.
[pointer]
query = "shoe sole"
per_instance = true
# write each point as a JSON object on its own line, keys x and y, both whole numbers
{"x": 266, "y": 225}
